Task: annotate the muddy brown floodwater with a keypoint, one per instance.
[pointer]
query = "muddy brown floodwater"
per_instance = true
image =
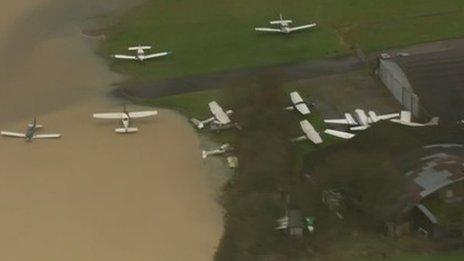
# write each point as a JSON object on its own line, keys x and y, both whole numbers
{"x": 92, "y": 195}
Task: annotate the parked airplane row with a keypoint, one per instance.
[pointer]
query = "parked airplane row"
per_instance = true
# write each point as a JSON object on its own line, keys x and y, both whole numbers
{"x": 220, "y": 120}
{"x": 124, "y": 116}
{"x": 362, "y": 121}
{"x": 140, "y": 51}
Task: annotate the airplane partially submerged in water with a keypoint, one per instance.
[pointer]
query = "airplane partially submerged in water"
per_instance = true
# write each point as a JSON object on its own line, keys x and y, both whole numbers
{"x": 140, "y": 54}
{"x": 299, "y": 104}
{"x": 30, "y": 134}
{"x": 311, "y": 134}
{"x": 284, "y": 26}
{"x": 220, "y": 119}
{"x": 125, "y": 118}
{"x": 361, "y": 120}
{"x": 223, "y": 149}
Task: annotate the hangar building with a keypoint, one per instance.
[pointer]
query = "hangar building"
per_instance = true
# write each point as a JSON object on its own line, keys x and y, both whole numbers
{"x": 428, "y": 84}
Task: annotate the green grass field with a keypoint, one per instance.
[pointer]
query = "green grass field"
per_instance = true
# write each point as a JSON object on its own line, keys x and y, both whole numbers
{"x": 209, "y": 35}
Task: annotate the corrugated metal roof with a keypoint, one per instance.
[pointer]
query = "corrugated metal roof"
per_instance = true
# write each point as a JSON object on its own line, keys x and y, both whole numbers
{"x": 444, "y": 166}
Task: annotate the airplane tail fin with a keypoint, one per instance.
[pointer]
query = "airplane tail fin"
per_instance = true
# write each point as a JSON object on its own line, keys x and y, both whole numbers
{"x": 34, "y": 124}
{"x": 124, "y": 130}
{"x": 135, "y": 48}
{"x": 298, "y": 139}
{"x": 197, "y": 123}
{"x": 37, "y": 126}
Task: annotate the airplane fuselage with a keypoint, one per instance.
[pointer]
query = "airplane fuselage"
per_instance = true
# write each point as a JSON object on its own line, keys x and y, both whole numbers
{"x": 285, "y": 28}
{"x": 125, "y": 120}
{"x": 140, "y": 55}
{"x": 30, "y": 133}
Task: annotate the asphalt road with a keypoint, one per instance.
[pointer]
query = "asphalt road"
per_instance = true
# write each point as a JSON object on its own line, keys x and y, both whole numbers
{"x": 229, "y": 79}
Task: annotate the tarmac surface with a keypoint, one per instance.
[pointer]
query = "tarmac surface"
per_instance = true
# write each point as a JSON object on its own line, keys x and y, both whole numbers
{"x": 229, "y": 79}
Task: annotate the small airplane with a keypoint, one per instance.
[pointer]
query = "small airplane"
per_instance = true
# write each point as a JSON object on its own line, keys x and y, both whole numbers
{"x": 299, "y": 104}
{"x": 125, "y": 118}
{"x": 32, "y": 128}
{"x": 312, "y": 135}
{"x": 140, "y": 55}
{"x": 362, "y": 121}
{"x": 284, "y": 26}
{"x": 405, "y": 119}
{"x": 221, "y": 150}
{"x": 220, "y": 117}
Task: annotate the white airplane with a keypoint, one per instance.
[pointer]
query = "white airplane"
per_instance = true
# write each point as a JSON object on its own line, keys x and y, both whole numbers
{"x": 299, "y": 104}
{"x": 125, "y": 118}
{"x": 32, "y": 128}
{"x": 312, "y": 135}
{"x": 140, "y": 55}
{"x": 361, "y": 121}
{"x": 284, "y": 26}
{"x": 221, "y": 150}
{"x": 405, "y": 119}
{"x": 220, "y": 117}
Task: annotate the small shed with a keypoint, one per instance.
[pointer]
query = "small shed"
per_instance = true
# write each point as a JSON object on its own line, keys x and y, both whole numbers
{"x": 295, "y": 223}
{"x": 292, "y": 223}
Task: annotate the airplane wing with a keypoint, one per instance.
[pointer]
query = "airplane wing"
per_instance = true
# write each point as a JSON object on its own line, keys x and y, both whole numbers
{"x": 359, "y": 128}
{"x": 349, "y": 120}
{"x": 299, "y": 103}
{"x": 219, "y": 113}
{"x": 337, "y": 121}
{"x": 13, "y": 134}
{"x": 388, "y": 116}
{"x": 303, "y": 108}
{"x": 339, "y": 134}
{"x": 150, "y": 56}
{"x": 125, "y": 57}
{"x": 295, "y": 97}
{"x": 372, "y": 117}
{"x": 46, "y": 136}
{"x": 109, "y": 116}
{"x": 302, "y": 27}
{"x": 142, "y": 114}
{"x": 262, "y": 29}
{"x": 310, "y": 132}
